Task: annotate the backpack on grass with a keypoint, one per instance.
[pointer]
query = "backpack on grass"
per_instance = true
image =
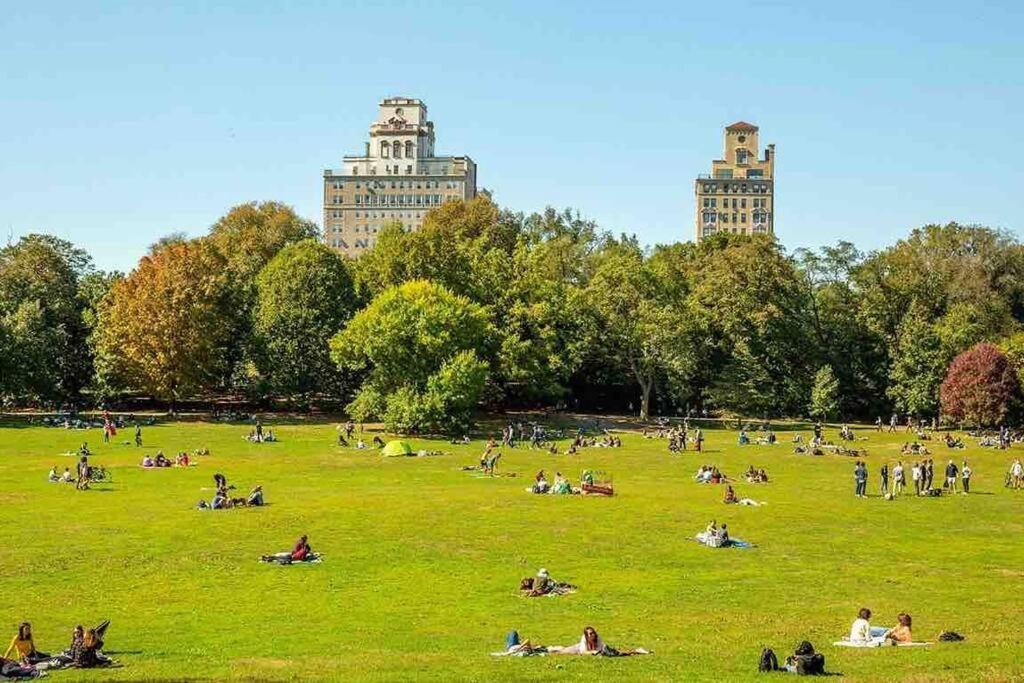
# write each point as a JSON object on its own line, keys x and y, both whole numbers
{"x": 768, "y": 661}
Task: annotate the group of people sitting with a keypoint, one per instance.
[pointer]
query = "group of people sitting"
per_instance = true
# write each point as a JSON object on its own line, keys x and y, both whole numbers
{"x": 914, "y": 449}
{"x": 590, "y": 643}
{"x": 560, "y": 486}
{"x": 302, "y": 552}
{"x": 862, "y": 634}
{"x": 84, "y": 652}
{"x": 715, "y": 536}
{"x": 544, "y": 585}
{"x": 258, "y": 435}
{"x": 709, "y": 474}
{"x": 222, "y": 499}
{"x": 161, "y": 460}
{"x": 754, "y": 475}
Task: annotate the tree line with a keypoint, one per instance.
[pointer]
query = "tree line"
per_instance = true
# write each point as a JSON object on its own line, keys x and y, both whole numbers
{"x": 485, "y": 307}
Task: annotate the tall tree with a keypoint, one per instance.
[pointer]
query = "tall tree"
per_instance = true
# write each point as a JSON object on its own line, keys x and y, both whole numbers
{"x": 640, "y": 319}
{"x": 825, "y": 393}
{"x": 164, "y": 328}
{"x": 247, "y": 237}
{"x": 752, "y": 308}
{"x": 42, "y": 312}
{"x": 304, "y": 296}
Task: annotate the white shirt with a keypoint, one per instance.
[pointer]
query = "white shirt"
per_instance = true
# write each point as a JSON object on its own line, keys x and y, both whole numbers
{"x": 860, "y": 632}
{"x": 1018, "y": 469}
{"x": 915, "y": 473}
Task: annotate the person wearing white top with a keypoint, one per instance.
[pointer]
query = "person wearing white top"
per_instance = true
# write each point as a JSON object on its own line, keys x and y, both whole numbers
{"x": 860, "y": 632}
{"x": 915, "y": 475}
{"x": 897, "y": 479}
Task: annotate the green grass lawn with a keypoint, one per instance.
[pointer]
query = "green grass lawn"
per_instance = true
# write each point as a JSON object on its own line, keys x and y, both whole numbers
{"x": 423, "y": 560}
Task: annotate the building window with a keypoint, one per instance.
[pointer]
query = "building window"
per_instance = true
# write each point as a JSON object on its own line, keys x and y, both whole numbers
{"x": 743, "y": 203}
{"x": 385, "y": 150}
{"x": 409, "y": 150}
{"x": 734, "y": 218}
{"x": 743, "y": 218}
{"x": 396, "y": 150}
{"x": 741, "y": 156}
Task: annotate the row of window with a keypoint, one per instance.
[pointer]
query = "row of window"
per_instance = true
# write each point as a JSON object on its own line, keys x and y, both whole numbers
{"x": 394, "y": 149}
{"x": 757, "y": 203}
{"x": 400, "y": 184}
{"x": 710, "y": 217}
{"x": 398, "y": 199}
{"x": 742, "y": 188}
{"x": 396, "y": 170}
{"x": 709, "y": 230}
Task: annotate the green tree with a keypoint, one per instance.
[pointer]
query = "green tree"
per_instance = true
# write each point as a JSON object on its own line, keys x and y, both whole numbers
{"x": 825, "y": 393}
{"x": 401, "y": 341}
{"x": 918, "y": 366}
{"x": 304, "y": 296}
{"x": 752, "y": 308}
{"x": 42, "y": 313}
{"x": 641, "y": 322}
{"x": 246, "y": 238}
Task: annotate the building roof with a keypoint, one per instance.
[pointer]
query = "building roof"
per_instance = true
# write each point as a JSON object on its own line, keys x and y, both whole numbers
{"x": 741, "y": 125}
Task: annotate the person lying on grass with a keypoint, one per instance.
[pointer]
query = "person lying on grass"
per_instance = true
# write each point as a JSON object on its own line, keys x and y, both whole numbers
{"x": 11, "y": 670}
{"x": 543, "y": 584}
{"x": 592, "y": 644}
{"x": 302, "y": 552}
{"x": 732, "y": 499}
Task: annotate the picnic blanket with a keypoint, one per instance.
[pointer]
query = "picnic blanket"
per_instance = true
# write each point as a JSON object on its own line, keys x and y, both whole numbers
{"x": 875, "y": 643}
{"x": 731, "y": 543}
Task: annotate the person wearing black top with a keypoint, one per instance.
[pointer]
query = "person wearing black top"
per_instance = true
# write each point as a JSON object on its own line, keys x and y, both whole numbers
{"x": 885, "y": 478}
{"x": 951, "y": 471}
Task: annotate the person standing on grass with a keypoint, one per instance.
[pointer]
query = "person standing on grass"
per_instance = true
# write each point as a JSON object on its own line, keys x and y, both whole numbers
{"x": 885, "y": 478}
{"x": 929, "y": 474}
{"x": 951, "y": 472}
{"x": 878, "y": 423}
{"x": 860, "y": 475}
{"x": 698, "y": 440}
{"x": 965, "y": 476}
{"x": 892, "y": 423}
{"x": 898, "y": 478}
{"x": 915, "y": 476}
{"x": 138, "y": 434}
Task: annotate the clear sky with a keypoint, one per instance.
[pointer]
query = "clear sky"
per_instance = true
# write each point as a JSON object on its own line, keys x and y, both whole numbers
{"x": 122, "y": 122}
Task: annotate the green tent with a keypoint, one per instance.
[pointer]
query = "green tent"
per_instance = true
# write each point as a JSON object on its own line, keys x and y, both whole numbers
{"x": 397, "y": 448}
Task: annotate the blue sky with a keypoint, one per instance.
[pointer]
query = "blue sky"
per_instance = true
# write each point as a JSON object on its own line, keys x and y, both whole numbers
{"x": 122, "y": 122}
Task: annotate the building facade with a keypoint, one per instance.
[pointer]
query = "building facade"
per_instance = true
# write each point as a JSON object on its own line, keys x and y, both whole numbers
{"x": 397, "y": 178}
{"x": 739, "y": 194}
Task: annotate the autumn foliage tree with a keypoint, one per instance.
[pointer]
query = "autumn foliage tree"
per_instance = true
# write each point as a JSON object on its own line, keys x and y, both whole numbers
{"x": 981, "y": 386}
{"x": 163, "y": 328}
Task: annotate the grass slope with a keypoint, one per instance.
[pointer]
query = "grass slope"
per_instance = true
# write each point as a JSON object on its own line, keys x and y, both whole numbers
{"x": 423, "y": 561}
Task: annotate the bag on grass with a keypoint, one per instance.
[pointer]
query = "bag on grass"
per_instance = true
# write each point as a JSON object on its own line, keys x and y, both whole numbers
{"x": 768, "y": 662}
{"x": 950, "y": 637}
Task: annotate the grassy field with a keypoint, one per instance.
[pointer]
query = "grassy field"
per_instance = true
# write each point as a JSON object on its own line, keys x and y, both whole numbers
{"x": 423, "y": 560}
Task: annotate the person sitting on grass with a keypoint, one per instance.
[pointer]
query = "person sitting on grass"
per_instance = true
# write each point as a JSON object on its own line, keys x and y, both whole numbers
{"x": 592, "y": 644}
{"x": 25, "y": 647}
{"x": 148, "y": 462}
{"x": 860, "y": 631}
{"x": 86, "y": 653}
{"x": 730, "y": 495}
{"x": 561, "y": 486}
{"x": 953, "y": 443}
{"x": 182, "y": 459}
{"x": 901, "y": 633}
{"x": 53, "y": 477}
{"x": 66, "y": 478}
{"x": 11, "y": 670}
{"x": 255, "y": 498}
{"x": 743, "y": 438}
{"x": 540, "y": 483}
{"x": 220, "y": 501}
{"x": 378, "y": 442}
{"x": 162, "y": 460}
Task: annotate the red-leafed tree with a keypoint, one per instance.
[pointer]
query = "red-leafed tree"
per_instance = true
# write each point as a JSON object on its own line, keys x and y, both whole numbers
{"x": 981, "y": 386}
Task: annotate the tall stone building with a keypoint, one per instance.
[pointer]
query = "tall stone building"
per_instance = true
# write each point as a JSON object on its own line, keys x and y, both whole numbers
{"x": 397, "y": 178}
{"x": 739, "y": 194}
